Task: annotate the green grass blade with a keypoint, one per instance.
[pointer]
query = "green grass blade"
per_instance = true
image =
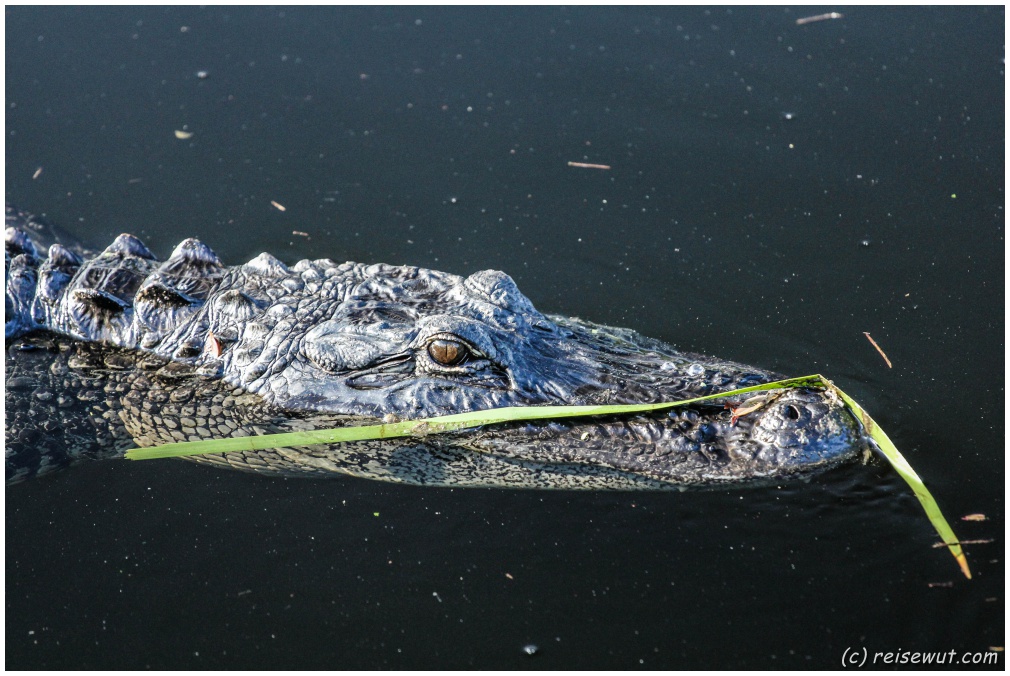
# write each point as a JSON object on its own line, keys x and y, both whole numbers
{"x": 906, "y": 472}
{"x": 449, "y": 423}
{"x": 425, "y": 426}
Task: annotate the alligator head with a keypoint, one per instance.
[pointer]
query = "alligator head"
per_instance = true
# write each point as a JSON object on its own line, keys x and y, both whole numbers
{"x": 409, "y": 343}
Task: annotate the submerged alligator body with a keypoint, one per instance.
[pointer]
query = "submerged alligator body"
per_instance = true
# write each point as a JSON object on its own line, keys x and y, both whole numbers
{"x": 109, "y": 350}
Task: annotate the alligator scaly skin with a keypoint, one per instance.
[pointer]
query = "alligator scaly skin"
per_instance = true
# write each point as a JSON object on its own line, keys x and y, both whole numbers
{"x": 110, "y": 349}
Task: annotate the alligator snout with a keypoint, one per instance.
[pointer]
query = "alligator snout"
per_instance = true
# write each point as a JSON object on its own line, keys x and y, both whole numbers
{"x": 804, "y": 428}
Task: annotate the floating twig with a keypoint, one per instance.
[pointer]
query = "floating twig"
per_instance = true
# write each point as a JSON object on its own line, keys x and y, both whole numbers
{"x": 986, "y": 541}
{"x": 183, "y": 135}
{"x": 299, "y": 233}
{"x": 278, "y": 206}
{"x": 819, "y": 17}
{"x": 38, "y": 172}
{"x": 588, "y": 165}
{"x": 974, "y": 517}
{"x": 874, "y": 344}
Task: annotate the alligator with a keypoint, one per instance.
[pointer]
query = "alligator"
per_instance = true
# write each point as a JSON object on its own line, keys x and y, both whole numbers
{"x": 109, "y": 350}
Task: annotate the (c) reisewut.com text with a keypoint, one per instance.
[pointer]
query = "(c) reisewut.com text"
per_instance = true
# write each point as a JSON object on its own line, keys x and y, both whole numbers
{"x": 862, "y": 657}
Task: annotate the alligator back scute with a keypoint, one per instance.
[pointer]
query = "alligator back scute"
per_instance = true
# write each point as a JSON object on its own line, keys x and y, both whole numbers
{"x": 172, "y": 294}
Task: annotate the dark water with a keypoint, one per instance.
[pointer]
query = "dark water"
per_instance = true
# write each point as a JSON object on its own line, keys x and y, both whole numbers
{"x": 776, "y": 190}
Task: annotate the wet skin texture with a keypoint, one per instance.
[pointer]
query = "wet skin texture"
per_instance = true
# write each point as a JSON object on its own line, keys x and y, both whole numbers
{"x": 112, "y": 349}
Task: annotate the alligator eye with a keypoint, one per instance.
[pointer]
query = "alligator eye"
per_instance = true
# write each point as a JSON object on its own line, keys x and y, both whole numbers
{"x": 448, "y": 352}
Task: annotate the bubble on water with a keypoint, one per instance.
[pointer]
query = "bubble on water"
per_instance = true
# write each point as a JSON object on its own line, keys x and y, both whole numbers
{"x": 530, "y": 649}
{"x": 695, "y": 370}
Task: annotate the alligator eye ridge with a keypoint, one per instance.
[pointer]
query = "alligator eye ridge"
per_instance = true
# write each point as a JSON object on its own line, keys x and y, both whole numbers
{"x": 448, "y": 352}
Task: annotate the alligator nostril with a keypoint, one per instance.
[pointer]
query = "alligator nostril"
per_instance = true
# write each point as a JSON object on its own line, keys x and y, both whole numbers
{"x": 792, "y": 412}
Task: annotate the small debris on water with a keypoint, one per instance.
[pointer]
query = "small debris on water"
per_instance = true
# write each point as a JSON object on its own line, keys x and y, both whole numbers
{"x": 588, "y": 165}
{"x": 985, "y": 541}
{"x": 278, "y": 206}
{"x": 974, "y": 517}
{"x": 183, "y": 135}
{"x": 202, "y": 74}
{"x": 864, "y": 242}
{"x": 941, "y": 585}
{"x": 509, "y": 576}
{"x": 748, "y": 406}
{"x": 786, "y": 115}
{"x": 300, "y": 233}
{"x": 437, "y": 597}
{"x": 819, "y": 17}
{"x": 874, "y": 344}
{"x": 531, "y": 649}
{"x": 38, "y": 172}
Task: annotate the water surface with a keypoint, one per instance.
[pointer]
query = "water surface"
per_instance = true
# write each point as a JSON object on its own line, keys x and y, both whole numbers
{"x": 775, "y": 190}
